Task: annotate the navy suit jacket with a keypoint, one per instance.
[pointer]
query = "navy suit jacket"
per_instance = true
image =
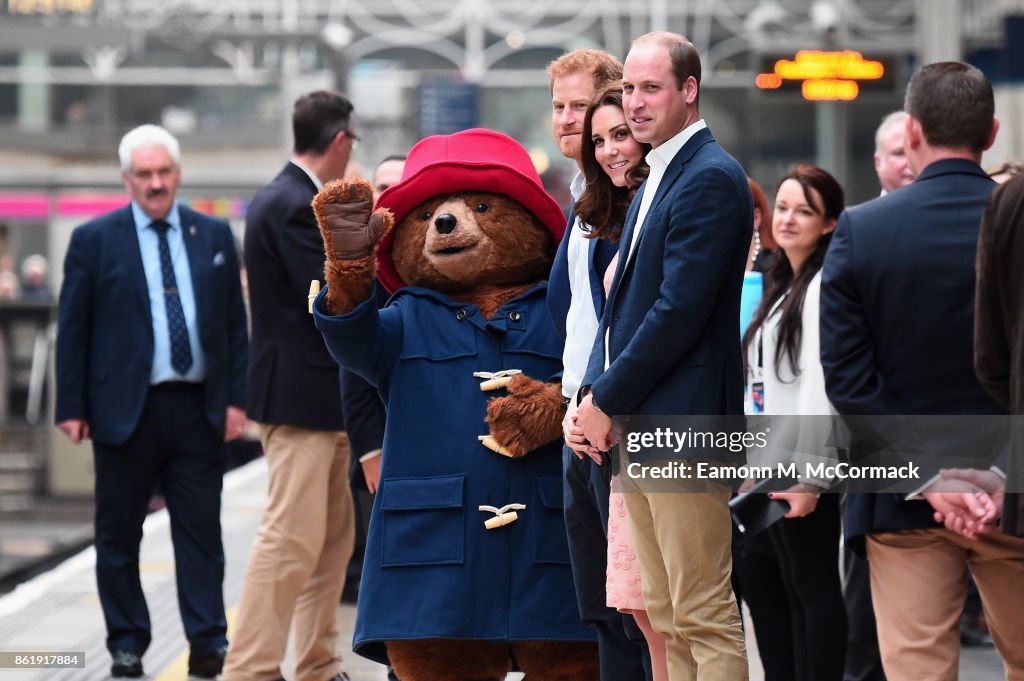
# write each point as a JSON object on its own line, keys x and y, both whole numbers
{"x": 673, "y": 311}
{"x": 292, "y": 378}
{"x": 105, "y": 332}
{"x": 601, "y": 252}
{"x": 897, "y": 316}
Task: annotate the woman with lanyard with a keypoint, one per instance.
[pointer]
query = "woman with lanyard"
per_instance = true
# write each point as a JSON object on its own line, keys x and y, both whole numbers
{"x": 785, "y": 378}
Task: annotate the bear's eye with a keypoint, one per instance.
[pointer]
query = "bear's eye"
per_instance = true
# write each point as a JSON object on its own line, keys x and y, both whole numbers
{"x": 426, "y": 215}
{"x": 482, "y": 208}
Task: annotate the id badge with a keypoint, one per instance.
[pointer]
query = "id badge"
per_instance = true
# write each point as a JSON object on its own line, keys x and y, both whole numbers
{"x": 757, "y": 397}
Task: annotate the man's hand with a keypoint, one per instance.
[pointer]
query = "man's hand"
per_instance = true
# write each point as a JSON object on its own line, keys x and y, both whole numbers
{"x": 990, "y": 482}
{"x": 575, "y": 439}
{"x": 371, "y": 471}
{"x": 802, "y": 498}
{"x": 234, "y": 424}
{"x": 76, "y": 429}
{"x": 961, "y": 506}
{"x": 598, "y": 427}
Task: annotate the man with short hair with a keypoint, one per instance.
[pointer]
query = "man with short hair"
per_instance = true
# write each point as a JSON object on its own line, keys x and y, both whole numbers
{"x": 890, "y": 159}
{"x": 151, "y": 357}
{"x": 388, "y": 172}
{"x": 575, "y": 300}
{"x": 863, "y": 662}
{"x": 897, "y": 309}
{"x": 297, "y": 565}
{"x": 668, "y": 344}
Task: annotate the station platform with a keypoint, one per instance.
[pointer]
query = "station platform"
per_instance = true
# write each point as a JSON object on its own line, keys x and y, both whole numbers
{"x": 59, "y": 611}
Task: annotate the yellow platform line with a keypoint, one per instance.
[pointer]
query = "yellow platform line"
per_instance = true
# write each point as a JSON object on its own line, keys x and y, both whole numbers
{"x": 178, "y": 670}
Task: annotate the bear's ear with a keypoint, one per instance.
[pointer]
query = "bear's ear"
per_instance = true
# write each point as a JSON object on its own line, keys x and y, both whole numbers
{"x": 523, "y": 247}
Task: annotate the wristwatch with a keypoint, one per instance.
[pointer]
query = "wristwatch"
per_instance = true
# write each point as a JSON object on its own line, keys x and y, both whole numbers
{"x": 583, "y": 392}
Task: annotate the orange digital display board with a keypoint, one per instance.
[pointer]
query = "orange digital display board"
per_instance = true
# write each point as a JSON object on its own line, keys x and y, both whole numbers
{"x": 832, "y": 76}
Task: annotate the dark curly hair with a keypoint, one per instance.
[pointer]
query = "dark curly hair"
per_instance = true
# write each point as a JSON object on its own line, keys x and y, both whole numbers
{"x": 603, "y": 206}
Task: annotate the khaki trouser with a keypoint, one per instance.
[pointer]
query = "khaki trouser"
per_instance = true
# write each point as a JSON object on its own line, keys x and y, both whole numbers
{"x": 918, "y": 587}
{"x": 297, "y": 565}
{"x": 684, "y": 543}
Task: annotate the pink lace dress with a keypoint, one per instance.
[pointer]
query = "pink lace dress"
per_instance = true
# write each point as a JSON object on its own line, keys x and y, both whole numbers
{"x": 625, "y": 589}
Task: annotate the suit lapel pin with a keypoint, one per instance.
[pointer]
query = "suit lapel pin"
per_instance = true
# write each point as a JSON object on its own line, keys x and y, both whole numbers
{"x": 192, "y": 230}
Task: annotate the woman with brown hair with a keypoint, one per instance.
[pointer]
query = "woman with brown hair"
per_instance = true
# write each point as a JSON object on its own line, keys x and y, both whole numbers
{"x": 805, "y": 632}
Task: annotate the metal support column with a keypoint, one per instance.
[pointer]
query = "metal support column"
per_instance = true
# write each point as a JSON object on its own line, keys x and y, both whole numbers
{"x": 938, "y": 31}
{"x": 832, "y": 138}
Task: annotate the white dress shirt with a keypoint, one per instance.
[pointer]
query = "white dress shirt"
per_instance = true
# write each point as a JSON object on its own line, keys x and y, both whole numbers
{"x": 149, "y": 249}
{"x": 581, "y": 322}
{"x": 659, "y": 159}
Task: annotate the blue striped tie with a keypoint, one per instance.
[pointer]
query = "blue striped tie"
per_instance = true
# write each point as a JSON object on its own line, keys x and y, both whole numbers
{"x": 181, "y": 351}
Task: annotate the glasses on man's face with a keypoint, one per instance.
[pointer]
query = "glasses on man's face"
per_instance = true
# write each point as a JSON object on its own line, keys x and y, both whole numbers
{"x": 354, "y": 137}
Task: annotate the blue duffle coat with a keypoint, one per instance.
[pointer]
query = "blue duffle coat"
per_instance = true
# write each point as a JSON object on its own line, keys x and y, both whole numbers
{"x": 432, "y": 570}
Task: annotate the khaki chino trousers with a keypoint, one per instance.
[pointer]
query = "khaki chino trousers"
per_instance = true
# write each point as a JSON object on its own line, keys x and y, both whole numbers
{"x": 684, "y": 544}
{"x": 297, "y": 566}
{"x": 918, "y": 587}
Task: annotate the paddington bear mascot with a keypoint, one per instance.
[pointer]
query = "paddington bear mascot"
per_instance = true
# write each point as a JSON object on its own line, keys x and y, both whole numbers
{"x": 467, "y": 565}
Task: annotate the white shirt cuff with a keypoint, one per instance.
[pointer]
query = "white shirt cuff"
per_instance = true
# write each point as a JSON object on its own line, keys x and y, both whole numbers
{"x": 916, "y": 494}
{"x": 369, "y": 455}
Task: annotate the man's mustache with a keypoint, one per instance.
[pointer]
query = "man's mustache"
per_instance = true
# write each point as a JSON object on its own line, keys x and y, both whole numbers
{"x": 152, "y": 193}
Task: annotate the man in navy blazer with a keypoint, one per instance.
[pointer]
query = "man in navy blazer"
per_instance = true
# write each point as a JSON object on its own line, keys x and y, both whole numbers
{"x": 296, "y": 569}
{"x": 668, "y": 343}
{"x": 897, "y": 309}
{"x": 151, "y": 357}
{"x": 576, "y": 301}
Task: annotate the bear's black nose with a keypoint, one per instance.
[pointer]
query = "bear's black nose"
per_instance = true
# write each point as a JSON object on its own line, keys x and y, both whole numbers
{"x": 445, "y": 223}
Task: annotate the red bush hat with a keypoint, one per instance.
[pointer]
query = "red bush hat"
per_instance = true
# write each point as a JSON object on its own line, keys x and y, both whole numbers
{"x": 475, "y": 160}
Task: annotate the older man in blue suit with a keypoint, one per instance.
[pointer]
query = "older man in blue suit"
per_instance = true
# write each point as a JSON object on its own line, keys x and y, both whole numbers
{"x": 670, "y": 339}
{"x": 897, "y": 311}
{"x": 151, "y": 355}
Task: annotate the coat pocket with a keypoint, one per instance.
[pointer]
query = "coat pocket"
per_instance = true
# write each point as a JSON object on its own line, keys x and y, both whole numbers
{"x": 423, "y": 521}
{"x": 550, "y": 543}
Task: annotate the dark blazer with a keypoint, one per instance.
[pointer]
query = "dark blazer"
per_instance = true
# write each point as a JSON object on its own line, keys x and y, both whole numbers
{"x": 674, "y": 307}
{"x": 999, "y": 326}
{"x": 897, "y": 316}
{"x": 292, "y": 379}
{"x": 601, "y": 252}
{"x": 105, "y": 334}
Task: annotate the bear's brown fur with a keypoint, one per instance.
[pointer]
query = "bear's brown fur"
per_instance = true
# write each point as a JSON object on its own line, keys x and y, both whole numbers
{"x": 495, "y": 251}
